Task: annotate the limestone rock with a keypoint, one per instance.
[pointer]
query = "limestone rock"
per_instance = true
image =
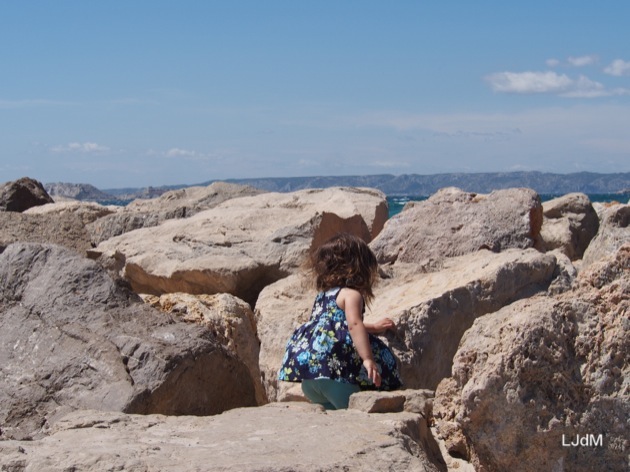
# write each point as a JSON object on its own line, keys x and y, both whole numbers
{"x": 65, "y": 191}
{"x": 539, "y": 373}
{"x": 278, "y": 437}
{"x": 72, "y": 339}
{"x": 88, "y": 212}
{"x": 280, "y": 309}
{"x": 377, "y": 402}
{"x": 564, "y": 274}
{"x": 453, "y": 223}
{"x": 241, "y": 245}
{"x": 22, "y": 194}
{"x": 432, "y": 310}
{"x": 229, "y": 319}
{"x": 413, "y": 401}
{"x": 182, "y": 203}
{"x": 62, "y": 229}
{"x": 419, "y": 401}
{"x": 613, "y": 232}
{"x": 569, "y": 224}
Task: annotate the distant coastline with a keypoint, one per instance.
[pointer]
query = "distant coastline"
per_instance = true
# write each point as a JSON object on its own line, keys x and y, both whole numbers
{"x": 407, "y": 185}
{"x": 425, "y": 185}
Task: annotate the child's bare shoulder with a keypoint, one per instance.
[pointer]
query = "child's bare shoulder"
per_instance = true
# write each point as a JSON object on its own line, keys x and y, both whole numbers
{"x": 349, "y": 296}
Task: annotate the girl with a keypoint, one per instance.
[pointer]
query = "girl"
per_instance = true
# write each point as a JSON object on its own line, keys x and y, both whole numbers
{"x": 335, "y": 353}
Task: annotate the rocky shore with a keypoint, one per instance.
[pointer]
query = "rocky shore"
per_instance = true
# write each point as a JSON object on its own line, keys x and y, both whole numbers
{"x": 148, "y": 337}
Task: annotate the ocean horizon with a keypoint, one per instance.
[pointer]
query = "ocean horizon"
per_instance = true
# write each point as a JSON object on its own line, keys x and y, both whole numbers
{"x": 397, "y": 203}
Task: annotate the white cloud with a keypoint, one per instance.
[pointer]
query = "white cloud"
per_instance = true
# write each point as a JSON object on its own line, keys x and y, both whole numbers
{"x": 582, "y": 61}
{"x": 529, "y": 82}
{"x": 177, "y": 152}
{"x": 590, "y": 120}
{"x": 193, "y": 155}
{"x": 389, "y": 164}
{"x": 31, "y": 103}
{"x": 586, "y": 88}
{"x": 618, "y": 68}
{"x": 609, "y": 145}
{"x": 551, "y": 82}
{"x": 76, "y": 147}
{"x": 563, "y": 138}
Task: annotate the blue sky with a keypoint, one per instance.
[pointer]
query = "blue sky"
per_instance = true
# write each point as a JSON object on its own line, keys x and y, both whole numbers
{"x": 137, "y": 93}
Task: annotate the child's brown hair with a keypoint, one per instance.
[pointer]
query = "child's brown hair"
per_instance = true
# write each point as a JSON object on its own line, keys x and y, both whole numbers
{"x": 345, "y": 261}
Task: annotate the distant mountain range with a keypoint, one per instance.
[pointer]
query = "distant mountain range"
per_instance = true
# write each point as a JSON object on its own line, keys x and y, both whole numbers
{"x": 425, "y": 185}
{"x": 393, "y": 185}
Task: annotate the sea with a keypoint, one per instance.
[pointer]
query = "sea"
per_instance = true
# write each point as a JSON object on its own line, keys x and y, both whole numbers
{"x": 396, "y": 203}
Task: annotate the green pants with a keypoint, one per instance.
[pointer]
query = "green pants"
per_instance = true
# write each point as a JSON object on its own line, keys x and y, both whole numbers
{"x": 331, "y": 394}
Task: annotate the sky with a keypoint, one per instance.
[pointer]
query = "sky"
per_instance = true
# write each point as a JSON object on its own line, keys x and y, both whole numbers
{"x": 137, "y": 93}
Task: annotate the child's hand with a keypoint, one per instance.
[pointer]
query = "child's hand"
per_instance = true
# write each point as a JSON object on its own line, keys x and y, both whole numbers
{"x": 380, "y": 326}
{"x": 372, "y": 372}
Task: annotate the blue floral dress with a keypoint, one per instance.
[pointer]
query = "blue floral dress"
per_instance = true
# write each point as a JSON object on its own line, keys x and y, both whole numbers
{"x": 322, "y": 348}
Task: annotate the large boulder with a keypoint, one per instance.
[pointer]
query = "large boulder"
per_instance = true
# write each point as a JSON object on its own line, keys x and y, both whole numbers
{"x": 228, "y": 318}
{"x": 453, "y": 223}
{"x": 542, "y": 384}
{"x": 241, "y": 245}
{"x": 65, "y": 229}
{"x": 182, "y": 203}
{"x": 22, "y": 194}
{"x": 613, "y": 232}
{"x": 280, "y": 309}
{"x": 432, "y": 310}
{"x": 569, "y": 224}
{"x": 88, "y": 212}
{"x": 277, "y": 437}
{"x": 72, "y": 339}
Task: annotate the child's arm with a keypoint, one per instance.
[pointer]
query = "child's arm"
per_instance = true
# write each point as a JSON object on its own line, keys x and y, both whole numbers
{"x": 380, "y": 326}
{"x": 351, "y": 302}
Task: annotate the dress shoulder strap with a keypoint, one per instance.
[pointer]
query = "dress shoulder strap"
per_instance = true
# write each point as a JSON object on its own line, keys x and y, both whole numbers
{"x": 333, "y": 292}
